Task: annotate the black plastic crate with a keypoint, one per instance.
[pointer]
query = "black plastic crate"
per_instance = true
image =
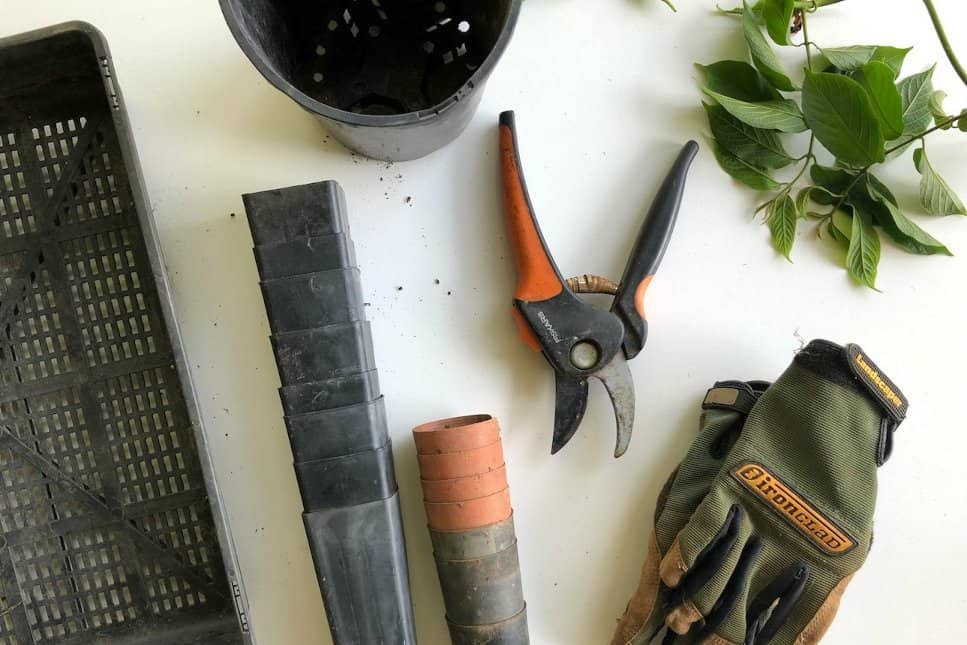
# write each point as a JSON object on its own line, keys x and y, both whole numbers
{"x": 109, "y": 521}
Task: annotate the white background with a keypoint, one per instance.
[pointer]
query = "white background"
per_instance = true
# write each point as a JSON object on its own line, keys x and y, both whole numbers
{"x": 605, "y": 94}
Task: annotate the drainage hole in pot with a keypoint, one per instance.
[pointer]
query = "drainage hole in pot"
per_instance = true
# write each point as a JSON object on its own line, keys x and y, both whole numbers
{"x": 440, "y": 7}
{"x": 464, "y": 26}
{"x": 428, "y": 47}
{"x": 318, "y": 77}
{"x": 320, "y": 51}
{"x": 374, "y": 30}
{"x": 333, "y": 25}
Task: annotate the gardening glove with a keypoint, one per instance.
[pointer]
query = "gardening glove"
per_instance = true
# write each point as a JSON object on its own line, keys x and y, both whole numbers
{"x": 725, "y": 408}
{"x": 788, "y": 519}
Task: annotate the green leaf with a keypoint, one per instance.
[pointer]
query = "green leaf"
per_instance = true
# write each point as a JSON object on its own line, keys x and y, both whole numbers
{"x": 782, "y": 219}
{"x": 783, "y": 115}
{"x": 777, "y": 15}
{"x": 915, "y": 94}
{"x": 863, "y": 254}
{"x": 935, "y": 195}
{"x": 877, "y": 79}
{"x": 834, "y": 180}
{"x": 842, "y": 223}
{"x": 763, "y": 57}
{"x": 841, "y": 116}
{"x": 758, "y": 147}
{"x": 881, "y": 188}
{"x": 892, "y": 57}
{"x": 749, "y": 174}
{"x": 898, "y": 226}
{"x": 737, "y": 80}
{"x": 937, "y": 110}
{"x": 802, "y": 200}
{"x": 817, "y": 194}
{"x": 847, "y": 59}
{"x": 962, "y": 122}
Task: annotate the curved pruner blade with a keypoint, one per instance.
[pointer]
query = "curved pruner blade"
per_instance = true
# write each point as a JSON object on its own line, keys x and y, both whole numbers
{"x": 621, "y": 388}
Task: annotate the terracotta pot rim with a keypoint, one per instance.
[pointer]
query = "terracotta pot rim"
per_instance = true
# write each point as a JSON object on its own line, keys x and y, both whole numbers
{"x": 450, "y": 453}
{"x": 469, "y": 514}
{"x": 460, "y": 489}
{"x": 476, "y": 528}
{"x": 505, "y": 489}
{"x": 456, "y": 434}
{"x": 442, "y": 482}
{"x": 452, "y": 423}
{"x": 454, "y": 465}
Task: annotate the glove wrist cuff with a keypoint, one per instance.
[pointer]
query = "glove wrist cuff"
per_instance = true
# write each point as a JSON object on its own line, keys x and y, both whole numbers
{"x": 851, "y": 368}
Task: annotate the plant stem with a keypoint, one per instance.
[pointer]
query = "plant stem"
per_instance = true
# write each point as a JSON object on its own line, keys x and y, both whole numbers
{"x": 787, "y": 186}
{"x": 842, "y": 198}
{"x": 809, "y": 56}
{"x": 812, "y": 5}
{"x": 805, "y": 5}
{"x": 808, "y": 157}
{"x": 938, "y": 126}
{"x": 864, "y": 171}
{"x": 948, "y": 49}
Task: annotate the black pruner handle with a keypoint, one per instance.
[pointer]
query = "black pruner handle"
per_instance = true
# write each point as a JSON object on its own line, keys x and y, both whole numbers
{"x": 629, "y": 304}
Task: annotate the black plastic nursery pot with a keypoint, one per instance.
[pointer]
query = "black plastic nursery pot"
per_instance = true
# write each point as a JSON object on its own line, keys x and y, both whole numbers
{"x": 391, "y": 79}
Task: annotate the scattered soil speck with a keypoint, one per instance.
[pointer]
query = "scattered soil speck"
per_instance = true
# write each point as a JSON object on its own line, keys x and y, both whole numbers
{"x": 436, "y": 281}
{"x": 231, "y": 214}
{"x": 399, "y": 288}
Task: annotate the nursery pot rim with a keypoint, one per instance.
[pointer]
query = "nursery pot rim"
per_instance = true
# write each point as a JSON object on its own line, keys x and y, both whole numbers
{"x": 476, "y": 80}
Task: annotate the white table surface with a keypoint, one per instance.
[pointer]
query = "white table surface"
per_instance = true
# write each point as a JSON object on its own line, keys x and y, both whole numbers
{"x": 605, "y": 93}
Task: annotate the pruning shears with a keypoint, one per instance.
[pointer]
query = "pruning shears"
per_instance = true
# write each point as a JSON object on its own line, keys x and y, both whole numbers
{"x": 581, "y": 341}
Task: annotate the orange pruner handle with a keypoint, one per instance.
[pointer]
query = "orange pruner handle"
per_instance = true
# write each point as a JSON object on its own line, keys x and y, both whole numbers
{"x": 537, "y": 275}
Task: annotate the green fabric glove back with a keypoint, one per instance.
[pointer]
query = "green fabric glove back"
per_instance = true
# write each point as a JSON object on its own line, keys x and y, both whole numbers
{"x": 788, "y": 519}
{"x": 725, "y": 409}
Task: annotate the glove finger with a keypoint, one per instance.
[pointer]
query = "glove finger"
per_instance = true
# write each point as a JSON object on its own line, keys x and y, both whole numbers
{"x": 701, "y": 542}
{"x": 771, "y": 607}
{"x": 640, "y": 621}
{"x": 700, "y": 587}
{"x": 710, "y": 560}
{"x": 737, "y": 589}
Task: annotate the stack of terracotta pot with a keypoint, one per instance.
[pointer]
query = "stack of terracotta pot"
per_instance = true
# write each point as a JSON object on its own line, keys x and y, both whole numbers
{"x": 467, "y": 503}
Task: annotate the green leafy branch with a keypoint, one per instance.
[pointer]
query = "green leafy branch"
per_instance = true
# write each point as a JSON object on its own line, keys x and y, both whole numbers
{"x": 852, "y": 103}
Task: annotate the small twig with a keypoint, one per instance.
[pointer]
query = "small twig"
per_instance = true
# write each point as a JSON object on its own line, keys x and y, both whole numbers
{"x": 939, "y": 126}
{"x": 809, "y": 45}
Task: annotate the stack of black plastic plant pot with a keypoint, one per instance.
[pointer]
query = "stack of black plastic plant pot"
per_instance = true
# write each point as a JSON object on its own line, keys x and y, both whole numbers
{"x": 334, "y": 413}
